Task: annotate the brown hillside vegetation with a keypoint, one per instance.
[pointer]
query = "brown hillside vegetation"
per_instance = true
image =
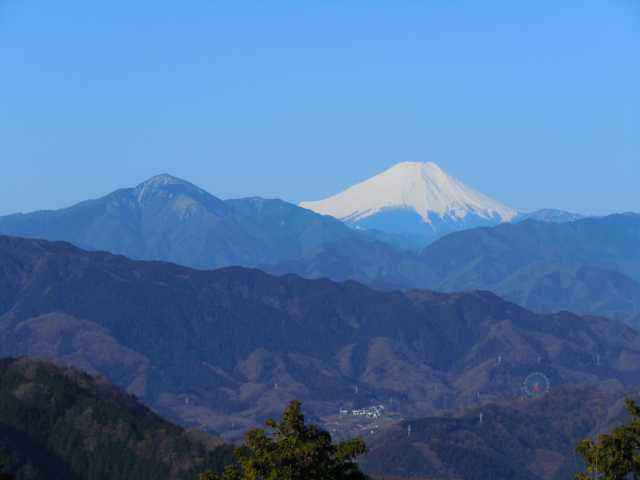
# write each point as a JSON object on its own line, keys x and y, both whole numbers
{"x": 60, "y": 423}
{"x": 226, "y": 349}
{"x": 523, "y": 439}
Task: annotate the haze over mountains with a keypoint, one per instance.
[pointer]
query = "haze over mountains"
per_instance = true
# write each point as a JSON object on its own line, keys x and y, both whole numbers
{"x": 585, "y": 265}
{"x": 418, "y": 202}
{"x": 165, "y": 218}
{"x": 224, "y": 349}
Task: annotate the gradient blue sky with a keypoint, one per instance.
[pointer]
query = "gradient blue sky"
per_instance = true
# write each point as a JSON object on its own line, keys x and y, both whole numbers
{"x": 535, "y": 103}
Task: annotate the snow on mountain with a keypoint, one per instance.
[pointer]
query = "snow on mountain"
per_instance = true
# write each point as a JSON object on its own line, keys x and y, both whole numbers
{"x": 550, "y": 215}
{"x": 414, "y": 188}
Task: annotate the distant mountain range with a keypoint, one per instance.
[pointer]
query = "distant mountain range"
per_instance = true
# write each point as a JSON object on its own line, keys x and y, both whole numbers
{"x": 533, "y": 263}
{"x": 165, "y": 218}
{"x": 60, "y": 423}
{"x": 587, "y": 266}
{"x": 224, "y": 349}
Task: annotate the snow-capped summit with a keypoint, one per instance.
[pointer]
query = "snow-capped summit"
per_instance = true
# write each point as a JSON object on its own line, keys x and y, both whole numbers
{"x": 416, "y": 198}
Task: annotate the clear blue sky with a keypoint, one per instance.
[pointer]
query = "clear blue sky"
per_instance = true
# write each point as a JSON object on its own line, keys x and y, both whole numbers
{"x": 536, "y": 103}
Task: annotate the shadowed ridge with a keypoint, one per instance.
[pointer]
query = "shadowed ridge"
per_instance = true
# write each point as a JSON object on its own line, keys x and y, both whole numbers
{"x": 209, "y": 347}
{"x": 58, "y": 422}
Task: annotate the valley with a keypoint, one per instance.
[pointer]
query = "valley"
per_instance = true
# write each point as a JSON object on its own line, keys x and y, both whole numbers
{"x": 222, "y": 350}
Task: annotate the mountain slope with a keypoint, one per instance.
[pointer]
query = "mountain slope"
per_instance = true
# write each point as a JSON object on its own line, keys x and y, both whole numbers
{"x": 550, "y": 215}
{"x": 169, "y": 219}
{"x": 57, "y": 422}
{"x": 284, "y": 230}
{"x": 522, "y": 439}
{"x": 587, "y": 266}
{"x": 164, "y": 218}
{"x": 413, "y": 198}
{"x": 224, "y": 349}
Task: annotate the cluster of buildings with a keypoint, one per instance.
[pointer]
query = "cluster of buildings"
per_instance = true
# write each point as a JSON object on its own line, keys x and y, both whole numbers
{"x": 370, "y": 412}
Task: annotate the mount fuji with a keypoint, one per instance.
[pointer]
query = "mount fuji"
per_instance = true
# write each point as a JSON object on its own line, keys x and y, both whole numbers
{"x": 417, "y": 199}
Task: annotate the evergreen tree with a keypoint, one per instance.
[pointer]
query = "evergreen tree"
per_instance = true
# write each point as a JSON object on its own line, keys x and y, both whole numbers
{"x": 615, "y": 456}
{"x": 293, "y": 451}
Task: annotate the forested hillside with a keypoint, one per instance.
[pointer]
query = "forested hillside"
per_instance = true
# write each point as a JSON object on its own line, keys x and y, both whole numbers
{"x": 225, "y": 349}
{"x": 59, "y": 423}
{"x": 533, "y": 439}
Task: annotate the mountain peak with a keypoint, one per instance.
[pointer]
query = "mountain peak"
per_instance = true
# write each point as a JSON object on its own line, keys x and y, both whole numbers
{"x": 414, "y": 166}
{"x": 424, "y": 188}
{"x": 418, "y": 170}
{"x": 159, "y": 183}
{"x": 162, "y": 180}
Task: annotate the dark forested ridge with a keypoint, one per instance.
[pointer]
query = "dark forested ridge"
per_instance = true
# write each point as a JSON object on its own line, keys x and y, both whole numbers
{"x": 516, "y": 440}
{"x": 224, "y": 349}
{"x": 59, "y": 423}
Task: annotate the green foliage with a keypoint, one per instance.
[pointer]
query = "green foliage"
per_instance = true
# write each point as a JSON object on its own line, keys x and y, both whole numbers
{"x": 615, "y": 456}
{"x": 293, "y": 451}
{"x": 57, "y": 422}
{"x": 506, "y": 445}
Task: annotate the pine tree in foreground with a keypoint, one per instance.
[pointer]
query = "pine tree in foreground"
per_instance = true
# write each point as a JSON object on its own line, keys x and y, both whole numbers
{"x": 615, "y": 456}
{"x": 293, "y": 451}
